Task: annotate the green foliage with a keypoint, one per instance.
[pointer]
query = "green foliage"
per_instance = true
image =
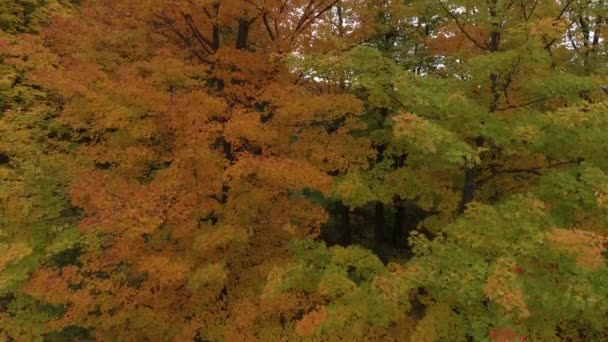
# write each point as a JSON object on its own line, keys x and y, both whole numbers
{"x": 508, "y": 266}
{"x": 165, "y": 170}
{"x": 24, "y": 318}
{"x": 17, "y": 16}
{"x": 358, "y": 292}
{"x": 37, "y": 223}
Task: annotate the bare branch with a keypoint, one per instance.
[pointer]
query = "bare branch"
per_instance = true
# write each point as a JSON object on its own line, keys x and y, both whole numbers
{"x": 460, "y": 27}
{"x": 532, "y": 170}
{"x": 267, "y": 25}
{"x": 205, "y": 43}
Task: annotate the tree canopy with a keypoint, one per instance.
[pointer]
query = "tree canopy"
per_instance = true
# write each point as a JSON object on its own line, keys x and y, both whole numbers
{"x": 303, "y": 170}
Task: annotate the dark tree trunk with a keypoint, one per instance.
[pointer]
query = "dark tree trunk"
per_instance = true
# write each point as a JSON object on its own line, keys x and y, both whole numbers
{"x": 242, "y": 34}
{"x": 227, "y": 148}
{"x": 407, "y": 217}
{"x": 493, "y": 45}
{"x": 216, "y": 29}
{"x": 216, "y": 38}
{"x": 468, "y": 186}
{"x": 468, "y": 189}
{"x": 346, "y": 237}
{"x": 398, "y": 238}
{"x": 379, "y": 224}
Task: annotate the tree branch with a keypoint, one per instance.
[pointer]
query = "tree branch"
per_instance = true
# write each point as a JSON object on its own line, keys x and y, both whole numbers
{"x": 460, "y": 27}
{"x": 267, "y": 25}
{"x": 532, "y": 170}
{"x": 205, "y": 43}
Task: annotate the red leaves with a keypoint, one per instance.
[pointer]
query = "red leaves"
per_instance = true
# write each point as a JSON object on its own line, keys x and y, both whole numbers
{"x": 4, "y": 45}
{"x": 501, "y": 334}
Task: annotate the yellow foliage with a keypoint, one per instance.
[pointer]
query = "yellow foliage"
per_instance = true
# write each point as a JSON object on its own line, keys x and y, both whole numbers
{"x": 439, "y": 324}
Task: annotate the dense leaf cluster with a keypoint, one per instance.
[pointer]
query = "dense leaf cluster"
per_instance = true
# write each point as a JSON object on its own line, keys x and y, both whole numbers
{"x": 306, "y": 170}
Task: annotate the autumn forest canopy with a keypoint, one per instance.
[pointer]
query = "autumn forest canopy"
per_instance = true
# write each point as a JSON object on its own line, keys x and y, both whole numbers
{"x": 303, "y": 170}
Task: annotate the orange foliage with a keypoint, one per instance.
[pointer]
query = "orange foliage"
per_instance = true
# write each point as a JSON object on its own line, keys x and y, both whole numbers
{"x": 181, "y": 179}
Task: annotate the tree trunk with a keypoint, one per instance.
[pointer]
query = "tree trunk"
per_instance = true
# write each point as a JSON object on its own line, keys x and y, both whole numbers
{"x": 493, "y": 45}
{"x": 346, "y": 238}
{"x": 379, "y": 224}
{"x": 398, "y": 238}
{"x": 216, "y": 29}
{"x": 242, "y": 34}
{"x": 468, "y": 189}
